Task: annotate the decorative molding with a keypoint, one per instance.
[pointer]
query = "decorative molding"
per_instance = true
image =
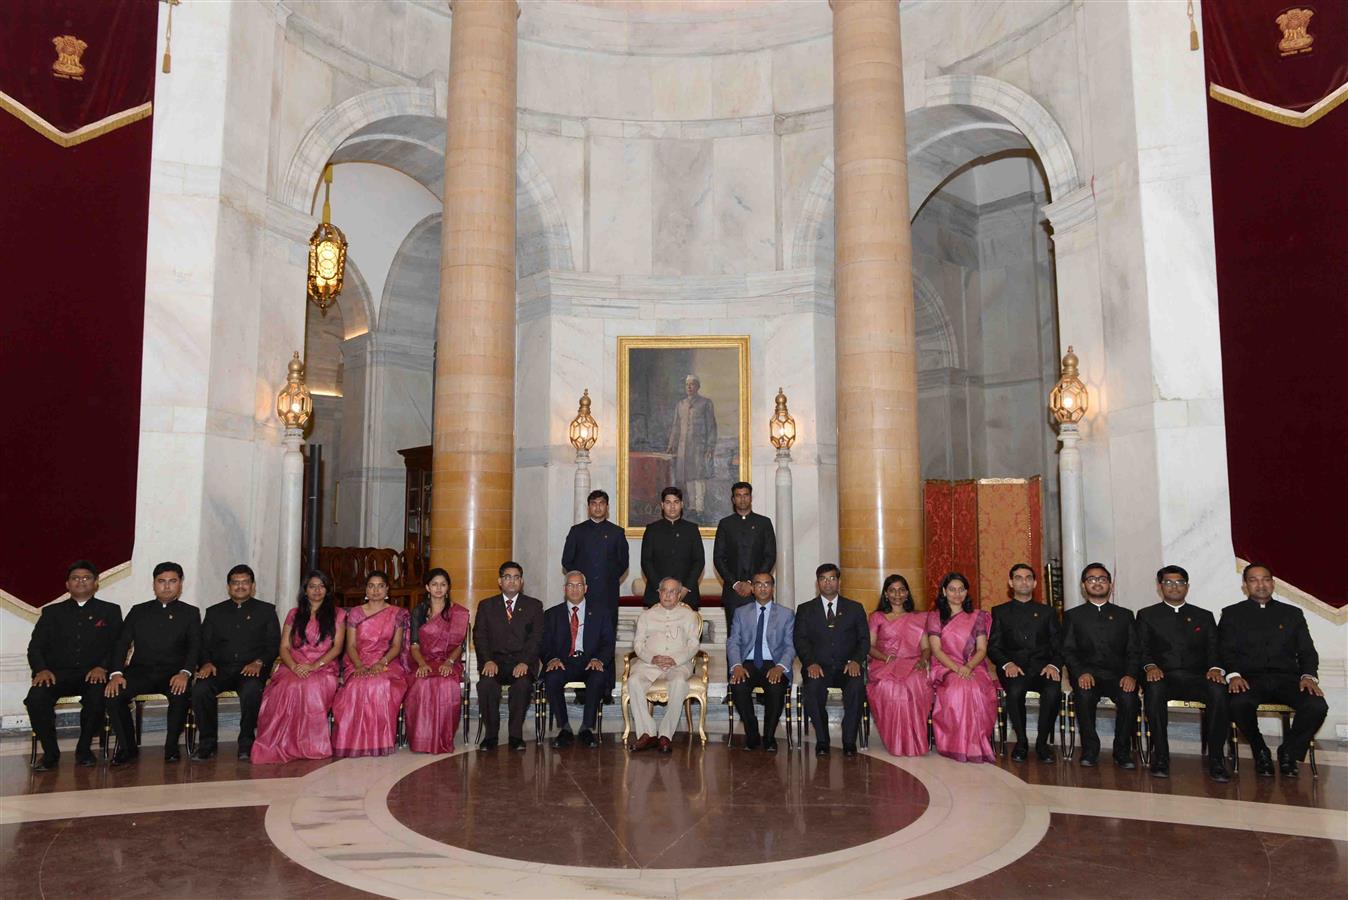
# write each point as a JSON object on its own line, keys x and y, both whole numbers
{"x": 1071, "y": 210}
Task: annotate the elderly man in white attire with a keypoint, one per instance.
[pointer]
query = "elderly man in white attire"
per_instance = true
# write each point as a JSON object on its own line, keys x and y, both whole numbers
{"x": 667, "y": 639}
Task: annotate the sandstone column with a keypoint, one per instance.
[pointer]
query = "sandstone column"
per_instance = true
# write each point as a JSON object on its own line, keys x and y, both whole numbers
{"x": 880, "y": 519}
{"x": 474, "y": 431}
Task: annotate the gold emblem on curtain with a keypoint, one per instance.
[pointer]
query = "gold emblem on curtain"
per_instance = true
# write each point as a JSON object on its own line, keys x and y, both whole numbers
{"x": 1295, "y": 36}
{"x": 69, "y": 49}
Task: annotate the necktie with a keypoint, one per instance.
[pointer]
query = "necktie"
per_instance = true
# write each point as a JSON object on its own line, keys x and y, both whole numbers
{"x": 575, "y": 628}
{"x": 829, "y": 617}
{"x": 758, "y": 639}
{"x": 510, "y": 610}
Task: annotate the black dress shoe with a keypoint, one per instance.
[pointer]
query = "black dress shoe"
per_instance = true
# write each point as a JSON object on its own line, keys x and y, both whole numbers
{"x": 1160, "y": 768}
{"x": 1125, "y": 762}
{"x": 821, "y": 750}
{"x": 1020, "y": 752}
{"x": 1263, "y": 763}
{"x": 124, "y": 757}
{"x": 1089, "y": 762}
{"x": 488, "y": 744}
{"x": 246, "y": 753}
{"x": 1286, "y": 765}
{"x": 849, "y": 752}
{"x": 769, "y": 745}
{"x": 85, "y": 759}
{"x": 587, "y": 739}
{"x": 1046, "y": 754}
{"x": 563, "y": 740}
{"x": 516, "y": 743}
{"x": 46, "y": 763}
{"x": 172, "y": 754}
{"x": 753, "y": 743}
{"x": 1217, "y": 771}
{"x": 201, "y": 755}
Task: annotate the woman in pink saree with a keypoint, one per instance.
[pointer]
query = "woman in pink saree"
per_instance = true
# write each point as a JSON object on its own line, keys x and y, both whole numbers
{"x": 435, "y": 699}
{"x": 966, "y": 693}
{"x": 898, "y": 687}
{"x": 292, "y": 722}
{"x": 365, "y": 713}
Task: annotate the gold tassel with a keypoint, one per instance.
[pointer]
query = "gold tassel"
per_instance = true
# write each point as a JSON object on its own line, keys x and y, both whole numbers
{"x": 168, "y": 37}
{"x": 1193, "y": 28}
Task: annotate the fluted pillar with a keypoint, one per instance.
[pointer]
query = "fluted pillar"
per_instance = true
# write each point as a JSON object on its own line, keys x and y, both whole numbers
{"x": 879, "y": 476}
{"x": 473, "y": 439}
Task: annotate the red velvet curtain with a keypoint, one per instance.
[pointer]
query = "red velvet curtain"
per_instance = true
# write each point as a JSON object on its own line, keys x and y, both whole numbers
{"x": 73, "y": 219}
{"x": 1280, "y": 208}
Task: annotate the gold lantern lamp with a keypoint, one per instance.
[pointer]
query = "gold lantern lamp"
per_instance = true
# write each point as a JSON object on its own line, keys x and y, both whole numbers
{"x": 1069, "y": 398}
{"x": 294, "y": 404}
{"x": 584, "y": 429}
{"x": 782, "y": 428}
{"x": 327, "y": 254}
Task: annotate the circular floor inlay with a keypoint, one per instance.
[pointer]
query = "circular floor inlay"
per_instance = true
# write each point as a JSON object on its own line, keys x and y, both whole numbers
{"x": 700, "y": 806}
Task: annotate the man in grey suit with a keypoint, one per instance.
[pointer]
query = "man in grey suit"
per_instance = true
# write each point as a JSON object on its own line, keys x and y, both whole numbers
{"x": 760, "y": 653}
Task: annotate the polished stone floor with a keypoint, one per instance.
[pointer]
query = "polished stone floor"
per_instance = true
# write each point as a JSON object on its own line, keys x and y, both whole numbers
{"x": 703, "y": 821}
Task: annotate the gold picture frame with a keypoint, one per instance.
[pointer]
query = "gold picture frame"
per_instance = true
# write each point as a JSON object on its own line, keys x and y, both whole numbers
{"x": 652, "y": 372}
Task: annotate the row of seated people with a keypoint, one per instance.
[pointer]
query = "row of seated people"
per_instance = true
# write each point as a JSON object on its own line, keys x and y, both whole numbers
{"x": 933, "y": 664}
{"x": 921, "y": 665}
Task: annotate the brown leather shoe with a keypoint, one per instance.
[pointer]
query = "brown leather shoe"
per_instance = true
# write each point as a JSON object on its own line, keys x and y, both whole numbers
{"x": 666, "y": 745}
{"x": 644, "y": 742}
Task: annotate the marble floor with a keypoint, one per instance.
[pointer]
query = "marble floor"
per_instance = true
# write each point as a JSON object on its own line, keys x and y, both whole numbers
{"x": 708, "y": 820}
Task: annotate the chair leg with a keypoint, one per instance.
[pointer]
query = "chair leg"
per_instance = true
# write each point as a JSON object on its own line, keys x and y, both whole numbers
{"x": 191, "y": 731}
{"x": 702, "y": 721}
{"x": 140, "y": 715}
{"x": 730, "y": 706}
{"x": 865, "y": 724}
{"x": 1235, "y": 750}
{"x": 1315, "y": 770}
{"x": 32, "y": 753}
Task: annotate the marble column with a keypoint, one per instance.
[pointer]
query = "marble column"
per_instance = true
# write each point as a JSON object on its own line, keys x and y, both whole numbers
{"x": 474, "y": 431}
{"x": 879, "y": 476}
{"x": 292, "y": 520}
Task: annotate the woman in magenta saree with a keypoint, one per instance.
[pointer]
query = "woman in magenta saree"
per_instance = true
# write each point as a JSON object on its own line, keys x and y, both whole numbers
{"x": 435, "y": 699}
{"x": 365, "y": 713}
{"x": 898, "y": 687}
{"x": 966, "y": 693}
{"x": 293, "y": 720}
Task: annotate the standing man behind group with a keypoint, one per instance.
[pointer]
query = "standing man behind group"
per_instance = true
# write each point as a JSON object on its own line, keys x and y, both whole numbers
{"x": 1101, "y": 652}
{"x": 166, "y": 634}
{"x": 1177, "y": 643}
{"x": 70, "y": 654}
{"x": 832, "y": 642}
{"x": 745, "y": 545}
{"x": 598, "y": 549}
{"x": 672, "y": 548}
{"x": 1025, "y": 648}
{"x": 507, "y": 632}
{"x": 239, "y": 643}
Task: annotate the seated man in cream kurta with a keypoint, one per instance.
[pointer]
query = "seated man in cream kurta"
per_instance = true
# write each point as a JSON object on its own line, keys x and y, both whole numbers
{"x": 667, "y": 639}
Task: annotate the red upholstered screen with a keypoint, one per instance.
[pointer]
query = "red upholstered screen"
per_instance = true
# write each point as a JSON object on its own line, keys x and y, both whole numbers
{"x": 75, "y": 132}
{"x": 980, "y": 529}
{"x": 1280, "y": 207}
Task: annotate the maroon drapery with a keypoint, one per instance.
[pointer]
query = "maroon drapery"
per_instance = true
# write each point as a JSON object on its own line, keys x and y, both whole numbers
{"x": 1280, "y": 204}
{"x": 74, "y": 211}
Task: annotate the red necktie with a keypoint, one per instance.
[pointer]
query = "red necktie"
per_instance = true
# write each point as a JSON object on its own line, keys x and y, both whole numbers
{"x": 510, "y": 610}
{"x": 575, "y": 628}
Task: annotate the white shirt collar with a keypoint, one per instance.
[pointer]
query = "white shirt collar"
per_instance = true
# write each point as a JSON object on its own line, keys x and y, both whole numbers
{"x": 80, "y": 603}
{"x": 1175, "y": 608}
{"x": 508, "y": 598}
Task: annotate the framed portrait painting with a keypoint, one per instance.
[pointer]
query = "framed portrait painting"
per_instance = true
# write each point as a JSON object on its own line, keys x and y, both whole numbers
{"x": 683, "y": 420}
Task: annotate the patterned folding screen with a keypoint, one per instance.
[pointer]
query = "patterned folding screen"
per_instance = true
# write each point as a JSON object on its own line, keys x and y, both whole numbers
{"x": 981, "y": 528}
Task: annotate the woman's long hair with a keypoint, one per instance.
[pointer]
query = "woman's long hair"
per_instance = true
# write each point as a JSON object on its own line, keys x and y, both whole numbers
{"x": 422, "y": 613}
{"x": 885, "y": 606}
{"x": 327, "y": 612}
{"x": 943, "y": 604}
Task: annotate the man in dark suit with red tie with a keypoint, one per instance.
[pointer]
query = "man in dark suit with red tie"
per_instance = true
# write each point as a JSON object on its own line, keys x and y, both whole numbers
{"x": 577, "y": 646}
{"x": 506, "y": 637}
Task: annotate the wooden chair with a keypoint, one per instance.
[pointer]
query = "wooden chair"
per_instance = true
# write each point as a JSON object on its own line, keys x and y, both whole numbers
{"x": 545, "y": 709}
{"x": 1145, "y": 732}
{"x": 67, "y": 703}
{"x": 1071, "y": 706}
{"x": 1283, "y": 712}
{"x": 659, "y": 693}
{"x": 788, "y": 710}
{"x": 1002, "y": 720}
